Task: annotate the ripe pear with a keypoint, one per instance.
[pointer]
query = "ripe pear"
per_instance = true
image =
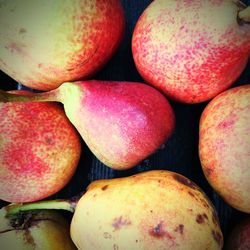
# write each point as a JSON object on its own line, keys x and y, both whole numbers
{"x": 36, "y": 230}
{"x": 151, "y": 210}
{"x": 224, "y": 146}
{"x": 239, "y": 238}
{"x": 39, "y": 150}
{"x": 121, "y": 122}
{"x": 45, "y": 43}
{"x": 192, "y": 50}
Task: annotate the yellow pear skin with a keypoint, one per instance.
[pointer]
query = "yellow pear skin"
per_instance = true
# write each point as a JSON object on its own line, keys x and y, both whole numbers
{"x": 43, "y": 230}
{"x": 153, "y": 210}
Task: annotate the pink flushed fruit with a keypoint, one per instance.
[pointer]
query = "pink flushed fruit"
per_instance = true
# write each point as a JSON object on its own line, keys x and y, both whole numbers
{"x": 45, "y": 43}
{"x": 239, "y": 238}
{"x": 224, "y": 146}
{"x": 192, "y": 50}
{"x": 121, "y": 122}
{"x": 39, "y": 150}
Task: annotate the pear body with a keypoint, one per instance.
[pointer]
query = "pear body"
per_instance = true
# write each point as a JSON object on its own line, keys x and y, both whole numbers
{"x": 191, "y": 50}
{"x": 224, "y": 146}
{"x": 43, "y": 44}
{"x": 151, "y": 210}
{"x": 39, "y": 150}
{"x": 239, "y": 238}
{"x": 121, "y": 122}
{"x": 35, "y": 231}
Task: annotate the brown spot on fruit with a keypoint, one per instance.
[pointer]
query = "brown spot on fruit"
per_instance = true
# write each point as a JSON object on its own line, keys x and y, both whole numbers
{"x": 22, "y": 31}
{"x": 179, "y": 228}
{"x": 118, "y": 223}
{"x": 105, "y": 187}
{"x": 191, "y": 194}
{"x": 115, "y": 247}
{"x": 218, "y": 237}
{"x": 107, "y": 235}
{"x": 200, "y": 218}
{"x": 185, "y": 181}
{"x": 208, "y": 171}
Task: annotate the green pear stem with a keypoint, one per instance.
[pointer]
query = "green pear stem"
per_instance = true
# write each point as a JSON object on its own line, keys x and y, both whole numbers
{"x": 15, "y": 208}
{"x": 244, "y": 15}
{"x": 50, "y": 96}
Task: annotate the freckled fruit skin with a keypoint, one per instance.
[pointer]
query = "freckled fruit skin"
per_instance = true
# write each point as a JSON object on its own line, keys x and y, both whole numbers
{"x": 43, "y": 230}
{"x": 39, "y": 150}
{"x": 57, "y": 41}
{"x": 239, "y": 238}
{"x": 191, "y": 50}
{"x": 121, "y": 122}
{"x": 224, "y": 146}
{"x": 151, "y": 210}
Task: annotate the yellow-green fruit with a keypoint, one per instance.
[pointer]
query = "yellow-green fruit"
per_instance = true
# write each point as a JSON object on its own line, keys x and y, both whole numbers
{"x": 37, "y": 230}
{"x": 154, "y": 210}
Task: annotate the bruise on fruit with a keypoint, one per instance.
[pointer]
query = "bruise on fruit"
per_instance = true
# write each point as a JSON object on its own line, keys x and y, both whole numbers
{"x": 105, "y": 187}
{"x": 201, "y": 218}
{"x": 179, "y": 228}
{"x": 208, "y": 171}
{"x": 218, "y": 237}
{"x": 159, "y": 232}
{"x": 115, "y": 247}
{"x": 28, "y": 238}
{"x": 185, "y": 181}
{"x": 118, "y": 223}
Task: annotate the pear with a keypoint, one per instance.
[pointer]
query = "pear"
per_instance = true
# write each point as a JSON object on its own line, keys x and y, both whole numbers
{"x": 192, "y": 50}
{"x": 157, "y": 210}
{"x": 224, "y": 146}
{"x": 45, "y": 43}
{"x": 239, "y": 237}
{"x": 35, "y": 230}
{"x": 39, "y": 150}
{"x": 121, "y": 122}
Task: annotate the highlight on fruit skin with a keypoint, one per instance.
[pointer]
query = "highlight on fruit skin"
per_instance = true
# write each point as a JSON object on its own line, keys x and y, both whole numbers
{"x": 60, "y": 41}
{"x": 192, "y": 50}
{"x": 39, "y": 150}
{"x": 36, "y": 230}
{"x": 224, "y": 146}
{"x": 121, "y": 122}
{"x": 151, "y": 210}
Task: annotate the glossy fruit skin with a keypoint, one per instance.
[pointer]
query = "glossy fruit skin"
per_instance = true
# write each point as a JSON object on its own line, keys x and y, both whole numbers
{"x": 239, "y": 238}
{"x": 121, "y": 122}
{"x": 39, "y": 150}
{"x": 35, "y": 231}
{"x": 151, "y": 210}
{"x": 191, "y": 50}
{"x": 58, "y": 41}
{"x": 224, "y": 146}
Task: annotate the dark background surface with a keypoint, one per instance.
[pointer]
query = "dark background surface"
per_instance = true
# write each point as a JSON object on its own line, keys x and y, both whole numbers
{"x": 179, "y": 153}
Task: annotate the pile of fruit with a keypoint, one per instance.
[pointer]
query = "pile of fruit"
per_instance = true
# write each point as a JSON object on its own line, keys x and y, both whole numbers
{"x": 185, "y": 53}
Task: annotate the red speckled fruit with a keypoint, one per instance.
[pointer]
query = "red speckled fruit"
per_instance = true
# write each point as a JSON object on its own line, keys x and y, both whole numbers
{"x": 224, "y": 146}
{"x": 191, "y": 50}
{"x": 153, "y": 210}
{"x": 121, "y": 122}
{"x": 39, "y": 150}
{"x": 58, "y": 40}
{"x": 239, "y": 238}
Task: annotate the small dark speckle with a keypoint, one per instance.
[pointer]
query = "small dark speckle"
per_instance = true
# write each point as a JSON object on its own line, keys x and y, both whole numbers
{"x": 22, "y": 31}
{"x": 180, "y": 228}
{"x": 115, "y": 247}
{"x": 107, "y": 235}
{"x": 151, "y": 211}
{"x": 158, "y": 231}
{"x": 105, "y": 187}
{"x": 136, "y": 241}
{"x": 218, "y": 237}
